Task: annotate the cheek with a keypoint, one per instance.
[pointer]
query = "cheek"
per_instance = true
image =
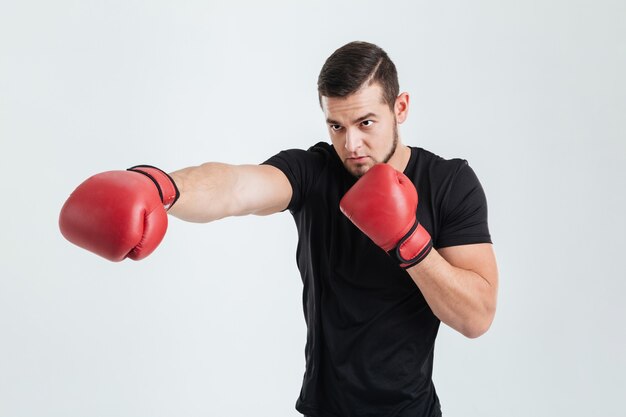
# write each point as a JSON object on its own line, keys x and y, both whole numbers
{"x": 375, "y": 135}
{"x": 337, "y": 144}
{"x": 383, "y": 133}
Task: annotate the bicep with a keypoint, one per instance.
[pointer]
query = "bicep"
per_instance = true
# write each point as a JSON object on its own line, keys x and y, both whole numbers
{"x": 261, "y": 190}
{"x": 479, "y": 258}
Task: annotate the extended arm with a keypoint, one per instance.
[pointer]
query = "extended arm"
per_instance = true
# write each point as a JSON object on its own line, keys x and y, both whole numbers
{"x": 122, "y": 214}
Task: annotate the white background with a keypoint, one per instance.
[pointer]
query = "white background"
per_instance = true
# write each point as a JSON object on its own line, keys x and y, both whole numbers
{"x": 532, "y": 93}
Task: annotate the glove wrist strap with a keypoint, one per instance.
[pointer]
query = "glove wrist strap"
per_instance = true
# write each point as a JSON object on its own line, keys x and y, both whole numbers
{"x": 165, "y": 184}
{"x": 413, "y": 247}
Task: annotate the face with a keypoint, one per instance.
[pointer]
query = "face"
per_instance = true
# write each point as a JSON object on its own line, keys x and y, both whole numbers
{"x": 363, "y": 129}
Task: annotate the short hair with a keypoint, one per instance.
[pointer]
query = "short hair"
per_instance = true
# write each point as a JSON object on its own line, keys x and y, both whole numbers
{"x": 358, "y": 64}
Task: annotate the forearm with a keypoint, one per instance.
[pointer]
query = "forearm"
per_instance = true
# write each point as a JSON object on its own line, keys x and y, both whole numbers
{"x": 206, "y": 192}
{"x": 461, "y": 298}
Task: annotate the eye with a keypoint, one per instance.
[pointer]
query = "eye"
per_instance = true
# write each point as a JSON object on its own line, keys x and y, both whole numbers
{"x": 367, "y": 123}
{"x": 335, "y": 128}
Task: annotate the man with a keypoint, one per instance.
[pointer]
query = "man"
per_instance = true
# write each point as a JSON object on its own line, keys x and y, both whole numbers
{"x": 380, "y": 271}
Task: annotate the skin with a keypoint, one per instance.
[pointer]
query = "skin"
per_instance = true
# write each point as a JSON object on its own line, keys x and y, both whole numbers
{"x": 460, "y": 283}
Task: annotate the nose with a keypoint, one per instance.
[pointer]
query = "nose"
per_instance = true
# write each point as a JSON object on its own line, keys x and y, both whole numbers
{"x": 353, "y": 141}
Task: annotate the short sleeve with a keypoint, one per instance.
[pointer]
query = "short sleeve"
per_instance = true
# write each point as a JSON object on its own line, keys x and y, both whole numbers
{"x": 302, "y": 168}
{"x": 464, "y": 211}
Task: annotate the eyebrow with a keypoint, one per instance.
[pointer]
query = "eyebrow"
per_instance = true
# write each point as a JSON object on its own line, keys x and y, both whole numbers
{"x": 360, "y": 119}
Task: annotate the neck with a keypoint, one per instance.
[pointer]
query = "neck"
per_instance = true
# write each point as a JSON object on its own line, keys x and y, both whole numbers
{"x": 400, "y": 158}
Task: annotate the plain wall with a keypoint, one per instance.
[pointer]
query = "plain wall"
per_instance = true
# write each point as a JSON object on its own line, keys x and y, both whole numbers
{"x": 531, "y": 93}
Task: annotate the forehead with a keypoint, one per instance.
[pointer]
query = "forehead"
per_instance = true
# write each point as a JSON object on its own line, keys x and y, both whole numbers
{"x": 365, "y": 100}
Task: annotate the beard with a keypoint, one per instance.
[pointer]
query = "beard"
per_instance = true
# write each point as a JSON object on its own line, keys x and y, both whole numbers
{"x": 394, "y": 144}
{"x": 360, "y": 169}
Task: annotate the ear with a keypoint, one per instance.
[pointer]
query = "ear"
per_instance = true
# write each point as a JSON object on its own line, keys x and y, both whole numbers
{"x": 401, "y": 107}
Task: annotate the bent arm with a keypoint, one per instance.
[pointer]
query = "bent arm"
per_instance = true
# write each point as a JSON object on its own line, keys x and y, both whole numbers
{"x": 460, "y": 284}
{"x": 215, "y": 190}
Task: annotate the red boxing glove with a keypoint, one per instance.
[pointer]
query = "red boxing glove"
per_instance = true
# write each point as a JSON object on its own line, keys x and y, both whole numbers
{"x": 383, "y": 205}
{"x": 120, "y": 214}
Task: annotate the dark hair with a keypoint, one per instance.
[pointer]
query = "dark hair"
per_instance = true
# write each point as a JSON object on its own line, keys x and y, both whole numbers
{"x": 355, "y": 64}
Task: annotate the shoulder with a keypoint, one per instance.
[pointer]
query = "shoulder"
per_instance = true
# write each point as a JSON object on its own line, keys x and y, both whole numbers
{"x": 438, "y": 162}
{"x": 315, "y": 155}
{"x": 458, "y": 200}
{"x": 304, "y": 169}
{"x": 434, "y": 169}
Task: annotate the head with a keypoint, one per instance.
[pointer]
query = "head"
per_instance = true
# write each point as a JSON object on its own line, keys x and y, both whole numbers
{"x": 359, "y": 95}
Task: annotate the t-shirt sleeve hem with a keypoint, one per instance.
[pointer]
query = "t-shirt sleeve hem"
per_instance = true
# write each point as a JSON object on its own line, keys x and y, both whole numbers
{"x": 292, "y": 181}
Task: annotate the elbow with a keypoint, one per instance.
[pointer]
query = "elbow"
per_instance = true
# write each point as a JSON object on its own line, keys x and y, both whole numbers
{"x": 481, "y": 320}
{"x": 478, "y": 327}
{"x": 474, "y": 332}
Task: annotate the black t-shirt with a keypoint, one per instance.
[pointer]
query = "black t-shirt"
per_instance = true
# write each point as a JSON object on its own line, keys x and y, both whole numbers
{"x": 370, "y": 332}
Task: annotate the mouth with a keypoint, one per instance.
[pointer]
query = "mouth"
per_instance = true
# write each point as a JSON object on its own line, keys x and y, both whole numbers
{"x": 357, "y": 159}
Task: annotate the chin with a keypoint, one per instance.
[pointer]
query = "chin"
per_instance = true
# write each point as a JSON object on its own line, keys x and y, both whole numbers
{"x": 358, "y": 170}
